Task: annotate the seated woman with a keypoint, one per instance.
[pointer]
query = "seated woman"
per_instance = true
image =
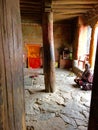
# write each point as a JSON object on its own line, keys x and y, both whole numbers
{"x": 85, "y": 80}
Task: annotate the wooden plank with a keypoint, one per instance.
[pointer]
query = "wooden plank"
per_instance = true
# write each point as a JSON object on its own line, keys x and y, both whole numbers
{"x": 30, "y": 6}
{"x": 30, "y": 2}
{"x": 36, "y": 12}
{"x": 11, "y": 66}
{"x": 3, "y": 77}
{"x": 74, "y": 2}
{"x": 68, "y": 11}
{"x": 71, "y": 6}
{"x": 66, "y": 16}
{"x": 17, "y": 69}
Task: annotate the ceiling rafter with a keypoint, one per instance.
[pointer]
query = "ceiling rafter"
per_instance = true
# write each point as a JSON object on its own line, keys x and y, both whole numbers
{"x": 72, "y": 7}
{"x": 70, "y": 11}
{"x": 62, "y": 9}
{"x": 74, "y": 2}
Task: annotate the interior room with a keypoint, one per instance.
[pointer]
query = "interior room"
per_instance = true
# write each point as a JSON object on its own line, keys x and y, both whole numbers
{"x": 45, "y": 44}
{"x": 72, "y": 50}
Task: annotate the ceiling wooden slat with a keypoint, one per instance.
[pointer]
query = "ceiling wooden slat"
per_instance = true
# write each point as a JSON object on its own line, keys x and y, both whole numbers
{"x": 30, "y": 9}
{"x": 70, "y": 11}
{"x": 72, "y": 6}
{"x": 62, "y": 9}
{"x": 29, "y": 6}
{"x": 30, "y": 2}
{"x": 29, "y": 12}
{"x": 66, "y": 17}
{"x": 68, "y": 2}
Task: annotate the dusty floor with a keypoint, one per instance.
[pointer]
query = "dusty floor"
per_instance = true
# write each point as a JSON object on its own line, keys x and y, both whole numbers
{"x": 66, "y": 109}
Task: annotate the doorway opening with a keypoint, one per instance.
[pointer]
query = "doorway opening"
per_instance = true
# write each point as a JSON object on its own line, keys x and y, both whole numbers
{"x": 67, "y": 108}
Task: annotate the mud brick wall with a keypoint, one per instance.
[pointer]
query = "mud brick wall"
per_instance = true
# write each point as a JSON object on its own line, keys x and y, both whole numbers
{"x": 32, "y": 33}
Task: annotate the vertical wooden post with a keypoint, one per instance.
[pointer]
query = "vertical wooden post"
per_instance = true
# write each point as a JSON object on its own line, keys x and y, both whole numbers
{"x": 12, "y": 115}
{"x": 92, "y": 49}
{"x": 76, "y": 41}
{"x": 93, "y": 120}
{"x": 48, "y": 47}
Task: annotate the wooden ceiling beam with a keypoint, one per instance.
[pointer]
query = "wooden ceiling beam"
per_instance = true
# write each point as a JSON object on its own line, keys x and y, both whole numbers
{"x": 68, "y": 2}
{"x": 30, "y": 2}
{"x": 29, "y": 6}
{"x": 69, "y": 11}
{"x": 65, "y": 17}
{"x": 32, "y": 19}
{"x": 72, "y": 6}
{"x": 30, "y": 9}
{"x": 32, "y": 13}
{"x": 93, "y": 13}
{"x": 62, "y": 9}
{"x": 29, "y": 15}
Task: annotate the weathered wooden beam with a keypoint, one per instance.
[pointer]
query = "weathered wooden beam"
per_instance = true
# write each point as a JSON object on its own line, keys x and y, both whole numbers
{"x": 31, "y": 16}
{"x": 30, "y": 2}
{"x": 70, "y": 11}
{"x": 71, "y": 6}
{"x": 93, "y": 118}
{"x": 91, "y": 16}
{"x": 66, "y": 16}
{"x": 31, "y": 12}
{"x": 47, "y": 5}
{"x": 68, "y": 2}
{"x": 31, "y": 19}
{"x": 76, "y": 39}
{"x": 48, "y": 47}
{"x": 30, "y": 6}
{"x": 92, "y": 49}
{"x": 12, "y": 115}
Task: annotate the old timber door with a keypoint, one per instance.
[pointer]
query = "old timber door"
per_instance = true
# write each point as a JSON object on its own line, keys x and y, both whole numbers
{"x": 11, "y": 73}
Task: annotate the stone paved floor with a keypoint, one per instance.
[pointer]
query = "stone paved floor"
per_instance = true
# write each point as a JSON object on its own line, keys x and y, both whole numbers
{"x": 66, "y": 109}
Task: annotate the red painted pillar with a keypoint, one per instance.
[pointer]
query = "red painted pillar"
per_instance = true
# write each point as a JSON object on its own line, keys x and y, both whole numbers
{"x": 48, "y": 49}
